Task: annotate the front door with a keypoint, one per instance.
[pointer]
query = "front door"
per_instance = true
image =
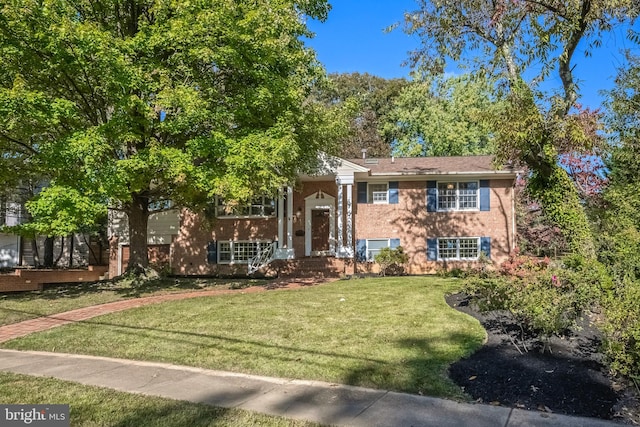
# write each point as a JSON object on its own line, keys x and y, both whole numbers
{"x": 319, "y": 231}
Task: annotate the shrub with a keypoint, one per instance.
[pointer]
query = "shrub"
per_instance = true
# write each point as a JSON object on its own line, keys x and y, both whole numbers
{"x": 391, "y": 261}
{"x": 621, "y": 328}
{"x": 541, "y": 297}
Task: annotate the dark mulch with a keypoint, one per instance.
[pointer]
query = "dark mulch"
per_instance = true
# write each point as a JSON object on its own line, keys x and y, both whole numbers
{"x": 570, "y": 380}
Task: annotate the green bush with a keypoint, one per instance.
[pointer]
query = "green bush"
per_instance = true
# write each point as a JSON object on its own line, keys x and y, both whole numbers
{"x": 621, "y": 328}
{"x": 391, "y": 261}
{"x": 541, "y": 297}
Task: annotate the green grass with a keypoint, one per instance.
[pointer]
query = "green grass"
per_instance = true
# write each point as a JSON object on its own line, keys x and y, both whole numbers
{"x": 19, "y": 306}
{"x": 95, "y": 406}
{"x": 388, "y": 333}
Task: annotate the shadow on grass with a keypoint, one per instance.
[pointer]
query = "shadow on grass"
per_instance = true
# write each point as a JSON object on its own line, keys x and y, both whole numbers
{"x": 129, "y": 287}
{"x": 430, "y": 362}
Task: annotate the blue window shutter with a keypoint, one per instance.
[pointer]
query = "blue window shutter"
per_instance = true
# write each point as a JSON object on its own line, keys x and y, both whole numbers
{"x": 394, "y": 243}
{"x": 393, "y": 192}
{"x": 212, "y": 252}
{"x": 485, "y": 195}
{"x": 362, "y": 192}
{"x": 485, "y": 246}
{"x": 432, "y": 249}
{"x": 432, "y": 196}
{"x": 361, "y": 250}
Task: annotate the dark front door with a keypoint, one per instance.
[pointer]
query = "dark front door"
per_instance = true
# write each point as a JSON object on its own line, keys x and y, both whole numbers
{"x": 319, "y": 230}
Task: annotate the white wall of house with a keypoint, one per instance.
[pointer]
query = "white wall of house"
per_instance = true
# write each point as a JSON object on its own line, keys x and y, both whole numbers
{"x": 9, "y": 250}
{"x": 160, "y": 229}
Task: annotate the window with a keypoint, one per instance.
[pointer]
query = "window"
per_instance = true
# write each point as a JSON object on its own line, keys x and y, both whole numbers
{"x": 378, "y": 193}
{"x": 239, "y": 251}
{"x": 259, "y": 206}
{"x": 464, "y": 248}
{"x": 374, "y": 246}
{"x": 457, "y": 196}
{"x": 367, "y": 249}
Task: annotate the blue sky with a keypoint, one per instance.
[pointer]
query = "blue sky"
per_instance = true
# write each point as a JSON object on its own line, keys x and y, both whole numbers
{"x": 353, "y": 40}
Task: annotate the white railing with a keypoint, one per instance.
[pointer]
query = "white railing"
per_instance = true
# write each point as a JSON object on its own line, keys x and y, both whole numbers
{"x": 264, "y": 257}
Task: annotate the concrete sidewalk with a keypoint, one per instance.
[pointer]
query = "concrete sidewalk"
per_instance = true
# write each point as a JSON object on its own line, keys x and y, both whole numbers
{"x": 325, "y": 403}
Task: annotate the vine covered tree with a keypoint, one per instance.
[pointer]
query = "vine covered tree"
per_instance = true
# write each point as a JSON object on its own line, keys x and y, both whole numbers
{"x": 139, "y": 102}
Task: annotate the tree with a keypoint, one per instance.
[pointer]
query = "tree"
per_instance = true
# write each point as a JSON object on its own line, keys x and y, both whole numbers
{"x": 618, "y": 223}
{"x": 440, "y": 116}
{"x": 503, "y": 38}
{"x": 133, "y": 104}
{"x": 372, "y": 98}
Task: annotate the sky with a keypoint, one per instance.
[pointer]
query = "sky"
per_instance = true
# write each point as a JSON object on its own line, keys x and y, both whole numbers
{"x": 353, "y": 40}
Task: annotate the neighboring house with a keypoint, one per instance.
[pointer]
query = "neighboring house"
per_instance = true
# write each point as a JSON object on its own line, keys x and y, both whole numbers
{"x": 16, "y": 251}
{"x": 444, "y": 212}
{"x": 10, "y": 244}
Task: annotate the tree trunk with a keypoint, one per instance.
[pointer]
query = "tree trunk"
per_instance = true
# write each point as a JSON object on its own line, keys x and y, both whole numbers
{"x": 34, "y": 251}
{"x": 71, "y": 237}
{"x": 138, "y": 212}
{"x": 48, "y": 252}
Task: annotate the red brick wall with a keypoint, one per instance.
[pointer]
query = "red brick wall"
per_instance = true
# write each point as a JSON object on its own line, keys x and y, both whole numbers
{"x": 408, "y": 220}
{"x": 189, "y": 247}
{"x": 27, "y": 280}
{"x": 413, "y": 225}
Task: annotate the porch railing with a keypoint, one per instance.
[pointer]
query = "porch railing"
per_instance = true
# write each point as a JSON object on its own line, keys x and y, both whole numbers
{"x": 264, "y": 257}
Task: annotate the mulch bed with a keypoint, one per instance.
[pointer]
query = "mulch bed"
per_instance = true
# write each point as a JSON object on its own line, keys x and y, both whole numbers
{"x": 571, "y": 379}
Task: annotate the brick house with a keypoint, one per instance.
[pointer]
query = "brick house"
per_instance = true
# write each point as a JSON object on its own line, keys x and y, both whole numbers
{"x": 444, "y": 212}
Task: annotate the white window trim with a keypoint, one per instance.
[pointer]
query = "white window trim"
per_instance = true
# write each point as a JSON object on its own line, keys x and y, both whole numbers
{"x": 371, "y": 259}
{"x": 231, "y": 244}
{"x": 234, "y": 216}
{"x": 370, "y": 193}
{"x": 458, "y": 258}
{"x": 457, "y": 208}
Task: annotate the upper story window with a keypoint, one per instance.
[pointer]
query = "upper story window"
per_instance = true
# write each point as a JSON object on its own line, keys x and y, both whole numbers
{"x": 378, "y": 193}
{"x": 259, "y": 206}
{"x": 458, "y": 195}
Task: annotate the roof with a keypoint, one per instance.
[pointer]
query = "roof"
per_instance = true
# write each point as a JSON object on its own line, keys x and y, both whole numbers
{"x": 431, "y": 165}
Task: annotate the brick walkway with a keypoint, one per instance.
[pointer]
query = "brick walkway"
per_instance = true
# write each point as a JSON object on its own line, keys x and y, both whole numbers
{"x": 20, "y": 329}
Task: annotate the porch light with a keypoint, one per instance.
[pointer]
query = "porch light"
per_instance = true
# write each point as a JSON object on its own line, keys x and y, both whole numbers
{"x": 450, "y": 186}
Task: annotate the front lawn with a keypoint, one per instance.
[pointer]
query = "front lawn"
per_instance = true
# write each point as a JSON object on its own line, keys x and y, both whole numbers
{"x": 388, "y": 333}
{"x": 95, "y": 406}
{"x": 18, "y": 306}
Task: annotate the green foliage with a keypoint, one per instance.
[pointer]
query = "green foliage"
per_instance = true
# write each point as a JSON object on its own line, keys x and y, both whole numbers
{"x": 391, "y": 261}
{"x": 161, "y": 100}
{"x": 367, "y": 102}
{"x": 541, "y": 297}
{"x": 621, "y": 327}
{"x": 618, "y": 225}
{"x": 440, "y": 116}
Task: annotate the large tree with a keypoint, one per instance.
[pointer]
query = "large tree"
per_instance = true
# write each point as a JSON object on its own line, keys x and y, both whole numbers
{"x": 504, "y": 38}
{"x": 138, "y": 102}
{"x": 369, "y": 99}
{"x": 443, "y": 116}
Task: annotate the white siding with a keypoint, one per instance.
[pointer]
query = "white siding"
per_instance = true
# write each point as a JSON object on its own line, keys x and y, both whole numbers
{"x": 160, "y": 229}
{"x": 9, "y": 248}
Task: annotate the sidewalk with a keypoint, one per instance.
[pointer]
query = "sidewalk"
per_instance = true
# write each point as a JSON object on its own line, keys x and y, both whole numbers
{"x": 325, "y": 403}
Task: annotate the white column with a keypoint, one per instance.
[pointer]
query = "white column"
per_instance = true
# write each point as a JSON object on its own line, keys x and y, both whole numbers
{"x": 280, "y": 218}
{"x": 290, "y": 218}
{"x": 349, "y": 245}
{"x": 340, "y": 248}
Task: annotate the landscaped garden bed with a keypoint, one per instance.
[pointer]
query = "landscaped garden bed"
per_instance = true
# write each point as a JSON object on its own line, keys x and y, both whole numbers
{"x": 569, "y": 379}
